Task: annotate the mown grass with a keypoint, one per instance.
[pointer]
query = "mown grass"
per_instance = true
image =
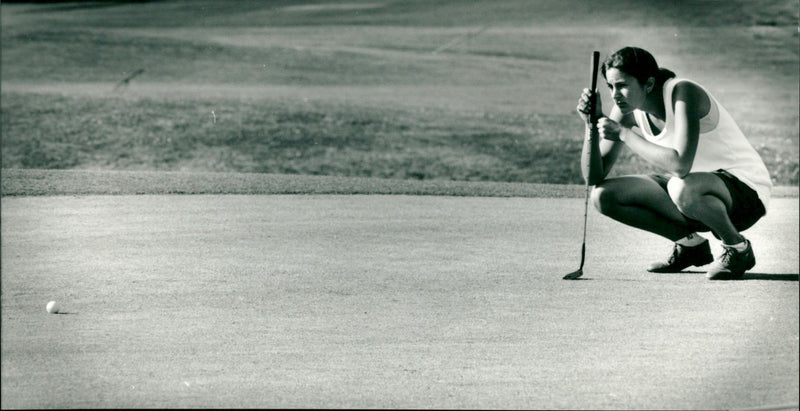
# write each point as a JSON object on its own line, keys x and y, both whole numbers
{"x": 265, "y": 136}
{"x": 496, "y": 104}
{"x": 45, "y": 131}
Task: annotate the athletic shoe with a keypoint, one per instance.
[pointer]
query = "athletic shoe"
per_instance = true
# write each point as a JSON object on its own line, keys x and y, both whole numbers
{"x": 682, "y": 257}
{"x": 732, "y": 264}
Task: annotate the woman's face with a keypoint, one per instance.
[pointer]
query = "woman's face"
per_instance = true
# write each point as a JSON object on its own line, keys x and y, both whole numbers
{"x": 628, "y": 94}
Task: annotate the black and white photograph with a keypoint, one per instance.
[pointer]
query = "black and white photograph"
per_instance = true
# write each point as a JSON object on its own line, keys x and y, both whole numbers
{"x": 400, "y": 204}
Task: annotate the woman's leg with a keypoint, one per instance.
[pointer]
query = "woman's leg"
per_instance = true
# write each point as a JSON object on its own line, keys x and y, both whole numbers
{"x": 641, "y": 202}
{"x": 705, "y": 197}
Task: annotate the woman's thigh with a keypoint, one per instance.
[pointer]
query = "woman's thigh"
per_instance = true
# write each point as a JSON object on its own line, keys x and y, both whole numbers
{"x": 640, "y": 191}
{"x": 741, "y": 203}
{"x": 695, "y": 185}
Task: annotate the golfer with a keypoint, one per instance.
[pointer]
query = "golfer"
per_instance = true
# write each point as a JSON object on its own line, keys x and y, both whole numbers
{"x": 713, "y": 179}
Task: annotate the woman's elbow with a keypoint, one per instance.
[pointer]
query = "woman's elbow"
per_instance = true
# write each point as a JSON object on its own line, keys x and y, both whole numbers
{"x": 680, "y": 165}
{"x": 680, "y": 170}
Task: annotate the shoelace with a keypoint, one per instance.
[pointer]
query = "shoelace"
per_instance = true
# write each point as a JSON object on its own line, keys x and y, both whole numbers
{"x": 676, "y": 251}
{"x": 726, "y": 256}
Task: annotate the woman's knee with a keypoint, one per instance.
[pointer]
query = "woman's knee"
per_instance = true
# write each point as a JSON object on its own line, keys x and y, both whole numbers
{"x": 604, "y": 198}
{"x": 685, "y": 193}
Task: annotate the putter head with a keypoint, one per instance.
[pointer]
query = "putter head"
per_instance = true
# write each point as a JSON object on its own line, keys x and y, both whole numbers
{"x": 574, "y": 275}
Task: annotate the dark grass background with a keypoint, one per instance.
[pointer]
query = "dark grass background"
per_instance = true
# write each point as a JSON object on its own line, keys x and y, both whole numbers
{"x": 409, "y": 90}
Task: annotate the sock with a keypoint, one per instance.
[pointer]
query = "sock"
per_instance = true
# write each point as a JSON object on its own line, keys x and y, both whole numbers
{"x": 740, "y": 247}
{"x": 691, "y": 240}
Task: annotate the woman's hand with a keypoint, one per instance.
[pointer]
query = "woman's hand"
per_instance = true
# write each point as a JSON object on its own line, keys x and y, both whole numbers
{"x": 584, "y": 105}
{"x": 608, "y": 129}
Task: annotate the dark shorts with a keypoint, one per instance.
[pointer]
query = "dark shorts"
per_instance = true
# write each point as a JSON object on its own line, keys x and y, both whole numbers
{"x": 746, "y": 207}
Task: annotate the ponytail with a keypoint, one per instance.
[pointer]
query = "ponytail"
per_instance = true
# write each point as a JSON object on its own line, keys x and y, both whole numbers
{"x": 663, "y": 75}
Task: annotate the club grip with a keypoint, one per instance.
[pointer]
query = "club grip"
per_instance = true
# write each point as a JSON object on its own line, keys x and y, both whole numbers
{"x": 595, "y": 68}
{"x": 593, "y": 100}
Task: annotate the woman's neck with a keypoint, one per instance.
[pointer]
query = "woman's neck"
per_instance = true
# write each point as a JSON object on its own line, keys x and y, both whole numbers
{"x": 654, "y": 104}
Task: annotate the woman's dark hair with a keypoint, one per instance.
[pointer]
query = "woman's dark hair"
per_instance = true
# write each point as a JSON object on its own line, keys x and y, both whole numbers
{"x": 638, "y": 63}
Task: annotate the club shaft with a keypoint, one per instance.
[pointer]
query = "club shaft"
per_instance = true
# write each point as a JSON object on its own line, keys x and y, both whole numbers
{"x": 585, "y": 219}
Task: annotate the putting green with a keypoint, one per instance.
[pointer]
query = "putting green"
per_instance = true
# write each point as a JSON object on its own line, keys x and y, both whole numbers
{"x": 380, "y": 301}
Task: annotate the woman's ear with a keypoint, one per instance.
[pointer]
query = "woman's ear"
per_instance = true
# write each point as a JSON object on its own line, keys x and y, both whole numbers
{"x": 651, "y": 83}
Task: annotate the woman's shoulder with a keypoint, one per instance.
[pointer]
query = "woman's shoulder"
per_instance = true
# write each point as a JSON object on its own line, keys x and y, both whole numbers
{"x": 691, "y": 93}
{"x": 684, "y": 87}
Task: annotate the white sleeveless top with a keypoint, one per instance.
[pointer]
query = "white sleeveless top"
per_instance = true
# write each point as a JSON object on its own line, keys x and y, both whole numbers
{"x": 722, "y": 145}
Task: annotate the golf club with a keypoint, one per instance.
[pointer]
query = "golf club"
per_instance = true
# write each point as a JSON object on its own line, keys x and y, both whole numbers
{"x": 591, "y": 130}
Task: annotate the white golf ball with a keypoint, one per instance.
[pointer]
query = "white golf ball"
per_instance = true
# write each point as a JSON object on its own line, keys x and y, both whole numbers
{"x": 53, "y": 307}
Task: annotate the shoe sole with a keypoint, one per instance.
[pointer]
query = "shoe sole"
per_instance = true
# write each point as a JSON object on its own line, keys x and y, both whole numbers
{"x": 728, "y": 275}
{"x": 667, "y": 271}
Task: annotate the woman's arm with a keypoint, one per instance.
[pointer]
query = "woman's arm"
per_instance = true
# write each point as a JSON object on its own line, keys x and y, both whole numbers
{"x": 690, "y": 104}
{"x": 599, "y": 153}
{"x": 610, "y": 145}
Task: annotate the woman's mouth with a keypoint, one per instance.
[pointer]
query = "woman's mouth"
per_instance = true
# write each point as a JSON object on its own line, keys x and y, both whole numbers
{"x": 623, "y": 107}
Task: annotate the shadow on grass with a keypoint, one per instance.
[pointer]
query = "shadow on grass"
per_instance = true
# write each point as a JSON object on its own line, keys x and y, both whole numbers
{"x": 771, "y": 277}
{"x": 680, "y": 273}
{"x": 747, "y": 276}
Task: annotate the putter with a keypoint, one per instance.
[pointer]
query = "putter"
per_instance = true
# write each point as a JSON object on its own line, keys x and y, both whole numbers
{"x": 590, "y": 128}
{"x": 579, "y": 272}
